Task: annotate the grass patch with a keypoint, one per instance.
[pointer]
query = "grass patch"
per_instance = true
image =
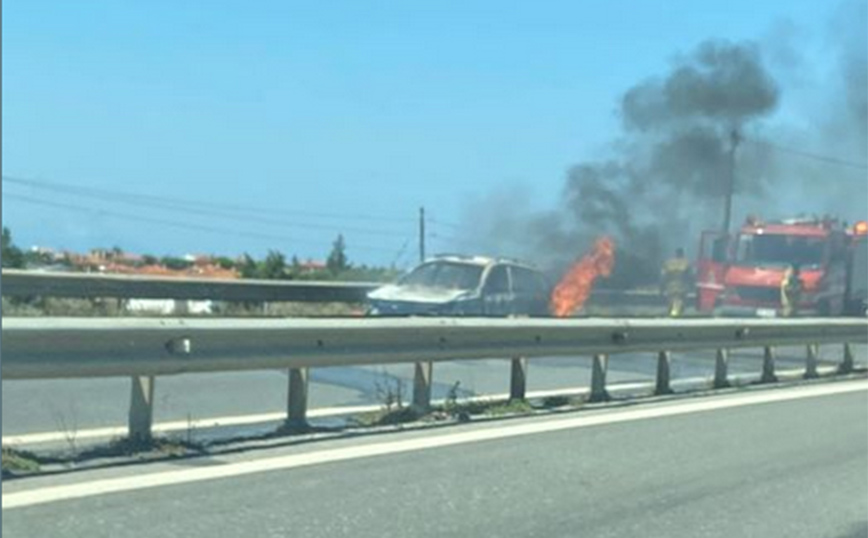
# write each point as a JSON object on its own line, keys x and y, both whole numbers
{"x": 511, "y": 407}
{"x": 60, "y": 306}
{"x": 469, "y": 408}
{"x": 464, "y": 410}
{"x": 287, "y": 309}
{"x": 57, "y": 306}
{"x": 399, "y": 416}
{"x": 550, "y": 402}
{"x": 158, "y": 446}
{"x": 19, "y": 461}
{"x": 388, "y": 417}
{"x": 451, "y": 409}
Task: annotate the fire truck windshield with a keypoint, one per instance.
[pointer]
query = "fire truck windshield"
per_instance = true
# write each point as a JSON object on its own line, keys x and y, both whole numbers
{"x": 780, "y": 250}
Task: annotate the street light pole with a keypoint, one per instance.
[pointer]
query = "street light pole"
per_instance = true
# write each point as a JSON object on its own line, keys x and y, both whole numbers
{"x": 421, "y": 234}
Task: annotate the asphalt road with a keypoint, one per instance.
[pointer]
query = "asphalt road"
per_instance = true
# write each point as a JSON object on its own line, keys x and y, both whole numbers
{"x": 81, "y": 404}
{"x": 791, "y": 468}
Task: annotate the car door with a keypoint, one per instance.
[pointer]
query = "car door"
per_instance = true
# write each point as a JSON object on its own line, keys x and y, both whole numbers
{"x": 540, "y": 304}
{"x": 711, "y": 268}
{"x": 497, "y": 296}
{"x": 529, "y": 295}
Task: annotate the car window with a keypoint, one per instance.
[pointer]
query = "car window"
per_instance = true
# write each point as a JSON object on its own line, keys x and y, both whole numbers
{"x": 542, "y": 284}
{"x": 524, "y": 280}
{"x": 449, "y": 275}
{"x": 498, "y": 280}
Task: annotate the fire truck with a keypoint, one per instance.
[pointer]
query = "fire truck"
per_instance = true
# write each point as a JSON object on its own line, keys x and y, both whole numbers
{"x": 742, "y": 274}
{"x": 857, "y": 281}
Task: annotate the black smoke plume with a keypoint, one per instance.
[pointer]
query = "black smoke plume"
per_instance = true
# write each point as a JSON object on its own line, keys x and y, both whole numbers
{"x": 668, "y": 173}
{"x": 664, "y": 178}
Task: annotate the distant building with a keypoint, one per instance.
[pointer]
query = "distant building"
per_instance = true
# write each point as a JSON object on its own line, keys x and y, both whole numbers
{"x": 311, "y": 266}
{"x": 115, "y": 261}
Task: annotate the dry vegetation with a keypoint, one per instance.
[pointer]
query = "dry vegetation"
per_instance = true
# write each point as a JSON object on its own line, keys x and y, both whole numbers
{"x": 52, "y": 306}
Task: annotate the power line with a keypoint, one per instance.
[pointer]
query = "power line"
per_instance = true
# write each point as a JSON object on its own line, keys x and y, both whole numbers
{"x": 809, "y": 155}
{"x": 176, "y": 205}
{"x": 186, "y": 204}
{"x": 175, "y": 224}
{"x": 444, "y": 223}
{"x": 453, "y": 239}
{"x": 399, "y": 256}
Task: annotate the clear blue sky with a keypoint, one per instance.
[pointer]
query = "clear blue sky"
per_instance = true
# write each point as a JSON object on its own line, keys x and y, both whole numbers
{"x": 350, "y": 108}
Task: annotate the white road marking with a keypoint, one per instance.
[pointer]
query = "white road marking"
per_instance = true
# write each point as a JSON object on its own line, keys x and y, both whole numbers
{"x": 278, "y": 416}
{"x": 182, "y": 476}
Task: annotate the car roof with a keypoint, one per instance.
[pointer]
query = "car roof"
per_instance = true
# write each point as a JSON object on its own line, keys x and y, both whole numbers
{"x": 483, "y": 261}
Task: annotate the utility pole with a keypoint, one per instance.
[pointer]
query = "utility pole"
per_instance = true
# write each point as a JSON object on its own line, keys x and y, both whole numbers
{"x": 734, "y": 138}
{"x": 421, "y": 234}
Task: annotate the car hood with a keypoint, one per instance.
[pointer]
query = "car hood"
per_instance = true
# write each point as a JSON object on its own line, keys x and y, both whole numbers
{"x": 415, "y": 294}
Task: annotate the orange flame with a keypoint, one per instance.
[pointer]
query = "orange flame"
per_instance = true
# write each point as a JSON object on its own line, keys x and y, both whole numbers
{"x": 575, "y": 287}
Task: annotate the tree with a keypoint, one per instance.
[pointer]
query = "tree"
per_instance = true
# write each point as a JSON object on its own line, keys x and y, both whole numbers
{"x": 293, "y": 269}
{"x": 273, "y": 267}
{"x": 11, "y": 255}
{"x": 35, "y": 258}
{"x": 247, "y": 266}
{"x": 337, "y": 260}
{"x": 225, "y": 263}
{"x": 176, "y": 264}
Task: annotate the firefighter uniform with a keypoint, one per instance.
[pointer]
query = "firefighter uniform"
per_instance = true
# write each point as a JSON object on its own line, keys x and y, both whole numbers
{"x": 674, "y": 278}
{"x": 791, "y": 292}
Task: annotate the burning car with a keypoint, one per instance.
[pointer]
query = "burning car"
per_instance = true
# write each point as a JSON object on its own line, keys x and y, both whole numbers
{"x": 454, "y": 285}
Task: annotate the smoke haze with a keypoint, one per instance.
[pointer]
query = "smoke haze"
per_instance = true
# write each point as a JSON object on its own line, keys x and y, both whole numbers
{"x": 668, "y": 170}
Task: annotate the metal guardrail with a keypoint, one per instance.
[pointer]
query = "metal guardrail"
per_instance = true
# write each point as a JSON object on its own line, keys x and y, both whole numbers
{"x": 18, "y": 283}
{"x": 88, "y": 347}
{"x": 144, "y": 348}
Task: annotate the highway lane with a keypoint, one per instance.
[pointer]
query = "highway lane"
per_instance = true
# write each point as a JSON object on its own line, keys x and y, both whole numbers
{"x": 77, "y": 405}
{"x": 727, "y": 466}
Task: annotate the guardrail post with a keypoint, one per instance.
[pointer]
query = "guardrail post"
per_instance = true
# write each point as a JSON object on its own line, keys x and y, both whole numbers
{"x": 721, "y": 367}
{"x": 296, "y": 410}
{"x": 141, "y": 408}
{"x": 847, "y": 364}
{"x": 768, "y": 375}
{"x": 664, "y": 360}
{"x": 813, "y": 352}
{"x": 422, "y": 385}
{"x": 598, "y": 379}
{"x": 181, "y": 307}
{"x": 518, "y": 379}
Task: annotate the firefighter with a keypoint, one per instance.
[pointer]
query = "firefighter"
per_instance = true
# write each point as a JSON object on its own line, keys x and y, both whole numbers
{"x": 791, "y": 291}
{"x": 674, "y": 282}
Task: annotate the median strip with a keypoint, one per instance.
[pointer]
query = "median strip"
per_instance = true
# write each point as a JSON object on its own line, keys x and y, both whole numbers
{"x": 174, "y": 477}
{"x": 29, "y": 439}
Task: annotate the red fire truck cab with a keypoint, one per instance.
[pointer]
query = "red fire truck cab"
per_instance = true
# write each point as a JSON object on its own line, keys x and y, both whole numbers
{"x": 742, "y": 274}
{"x": 857, "y": 271}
